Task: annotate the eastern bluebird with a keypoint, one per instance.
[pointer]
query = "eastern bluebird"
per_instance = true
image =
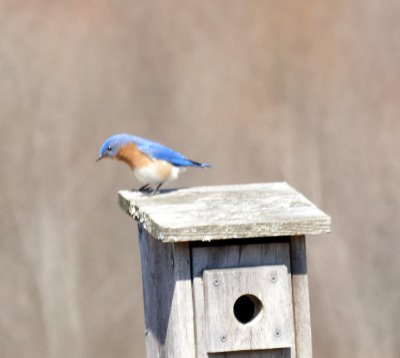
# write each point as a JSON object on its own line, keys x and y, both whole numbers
{"x": 151, "y": 162}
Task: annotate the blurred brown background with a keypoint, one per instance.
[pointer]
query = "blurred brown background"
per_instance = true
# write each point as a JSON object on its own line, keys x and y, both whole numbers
{"x": 306, "y": 92}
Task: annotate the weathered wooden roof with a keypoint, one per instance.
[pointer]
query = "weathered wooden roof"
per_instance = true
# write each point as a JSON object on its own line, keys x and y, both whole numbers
{"x": 225, "y": 212}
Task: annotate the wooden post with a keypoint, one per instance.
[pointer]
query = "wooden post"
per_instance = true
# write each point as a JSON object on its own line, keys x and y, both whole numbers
{"x": 224, "y": 270}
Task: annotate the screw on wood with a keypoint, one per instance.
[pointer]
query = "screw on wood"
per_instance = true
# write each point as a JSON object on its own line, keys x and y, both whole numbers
{"x": 224, "y": 338}
{"x": 216, "y": 282}
{"x": 274, "y": 277}
{"x": 277, "y": 333}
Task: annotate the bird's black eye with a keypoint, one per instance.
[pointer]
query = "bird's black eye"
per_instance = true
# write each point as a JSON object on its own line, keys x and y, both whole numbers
{"x": 109, "y": 148}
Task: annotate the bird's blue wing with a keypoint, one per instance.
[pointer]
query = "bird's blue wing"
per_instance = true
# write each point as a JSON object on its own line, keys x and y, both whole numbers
{"x": 161, "y": 152}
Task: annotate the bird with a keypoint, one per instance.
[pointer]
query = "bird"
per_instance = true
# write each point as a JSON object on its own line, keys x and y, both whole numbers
{"x": 152, "y": 163}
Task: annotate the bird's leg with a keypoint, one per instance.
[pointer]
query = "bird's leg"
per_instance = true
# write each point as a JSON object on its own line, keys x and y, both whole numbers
{"x": 157, "y": 190}
{"x": 144, "y": 187}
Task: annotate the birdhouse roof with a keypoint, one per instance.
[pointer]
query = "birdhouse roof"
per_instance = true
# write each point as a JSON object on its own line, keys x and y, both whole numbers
{"x": 225, "y": 212}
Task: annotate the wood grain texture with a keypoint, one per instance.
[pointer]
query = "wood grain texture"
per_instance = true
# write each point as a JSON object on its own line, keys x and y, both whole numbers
{"x": 225, "y": 212}
{"x": 233, "y": 256}
{"x": 273, "y": 353}
{"x": 167, "y": 295}
{"x": 301, "y": 301}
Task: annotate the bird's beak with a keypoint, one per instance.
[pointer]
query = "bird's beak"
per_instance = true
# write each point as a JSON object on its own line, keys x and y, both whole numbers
{"x": 99, "y": 158}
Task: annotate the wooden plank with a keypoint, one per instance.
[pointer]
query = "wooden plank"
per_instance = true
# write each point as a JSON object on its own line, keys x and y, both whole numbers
{"x": 301, "y": 302}
{"x": 225, "y": 212}
{"x": 265, "y": 291}
{"x": 168, "y": 303}
{"x": 273, "y": 353}
{"x": 231, "y": 256}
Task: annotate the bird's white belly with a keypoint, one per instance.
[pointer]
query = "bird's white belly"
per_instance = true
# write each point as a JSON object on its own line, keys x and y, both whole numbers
{"x": 157, "y": 172}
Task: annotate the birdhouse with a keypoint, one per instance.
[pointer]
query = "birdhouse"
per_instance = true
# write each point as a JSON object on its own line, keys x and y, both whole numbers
{"x": 224, "y": 270}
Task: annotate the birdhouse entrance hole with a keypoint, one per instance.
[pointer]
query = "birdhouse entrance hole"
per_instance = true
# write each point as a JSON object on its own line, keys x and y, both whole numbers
{"x": 247, "y": 308}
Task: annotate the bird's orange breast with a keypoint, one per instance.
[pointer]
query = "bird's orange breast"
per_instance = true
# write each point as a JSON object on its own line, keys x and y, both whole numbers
{"x": 132, "y": 156}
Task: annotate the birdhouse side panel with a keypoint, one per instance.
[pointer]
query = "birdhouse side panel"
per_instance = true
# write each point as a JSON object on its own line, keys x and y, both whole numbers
{"x": 167, "y": 293}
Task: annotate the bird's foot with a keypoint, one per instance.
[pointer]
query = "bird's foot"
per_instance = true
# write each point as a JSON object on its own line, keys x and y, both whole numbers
{"x": 144, "y": 189}
{"x": 148, "y": 189}
{"x": 157, "y": 189}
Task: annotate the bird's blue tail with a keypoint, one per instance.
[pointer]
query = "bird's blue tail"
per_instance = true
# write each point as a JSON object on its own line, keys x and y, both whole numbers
{"x": 200, "y": 165}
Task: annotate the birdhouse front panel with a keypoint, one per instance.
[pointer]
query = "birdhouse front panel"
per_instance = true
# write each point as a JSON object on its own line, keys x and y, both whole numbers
{"x": 248, "y": 308}
{"x": 243, "y": 297}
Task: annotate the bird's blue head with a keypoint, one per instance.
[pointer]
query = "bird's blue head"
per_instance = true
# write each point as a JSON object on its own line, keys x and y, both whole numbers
{"x": 111, "y": 146}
